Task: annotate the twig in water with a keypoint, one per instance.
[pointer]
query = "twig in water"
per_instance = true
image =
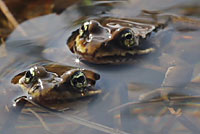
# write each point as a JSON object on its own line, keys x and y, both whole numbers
{"x": 79, "y": 120}
{"x": 172, "y": 99}
{"x": 40, "y": 119}
{"x": 10, "y": 17}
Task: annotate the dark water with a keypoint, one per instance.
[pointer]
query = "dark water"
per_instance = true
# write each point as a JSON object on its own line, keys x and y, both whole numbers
{"x": 45, "y": 40}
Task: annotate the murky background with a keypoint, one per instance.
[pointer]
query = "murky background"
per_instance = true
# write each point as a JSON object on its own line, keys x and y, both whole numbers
{"x": 43, "y": 39}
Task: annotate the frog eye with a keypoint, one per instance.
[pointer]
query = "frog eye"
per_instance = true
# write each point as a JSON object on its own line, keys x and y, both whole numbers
{"x": 78, "y": 80}
{"x": 84, "y": 29}
{"x": 127, "y": 39}
{"x": 29, "y": 76}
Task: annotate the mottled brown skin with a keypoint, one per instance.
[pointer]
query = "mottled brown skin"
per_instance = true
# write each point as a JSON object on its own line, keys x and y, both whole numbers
{"x": 101, "y": 41}
{"x": 52, "y": 83}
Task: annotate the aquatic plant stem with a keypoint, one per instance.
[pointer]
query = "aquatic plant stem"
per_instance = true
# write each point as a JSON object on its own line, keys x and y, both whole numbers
{"x": 79, "y": 120}
{"x": 10, "y": 17}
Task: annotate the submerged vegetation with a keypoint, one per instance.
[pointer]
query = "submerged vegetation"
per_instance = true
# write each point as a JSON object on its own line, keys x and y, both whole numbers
{"x": 144, "y": 56}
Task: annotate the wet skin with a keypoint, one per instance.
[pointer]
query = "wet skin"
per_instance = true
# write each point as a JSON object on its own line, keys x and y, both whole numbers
{"x": 112, "y": 40}
{"x": 119, "y": 40}
{"x": 57, "y": 83}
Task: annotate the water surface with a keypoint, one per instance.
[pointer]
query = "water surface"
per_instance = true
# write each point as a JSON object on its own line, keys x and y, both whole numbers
{"x": 45, "y": 40}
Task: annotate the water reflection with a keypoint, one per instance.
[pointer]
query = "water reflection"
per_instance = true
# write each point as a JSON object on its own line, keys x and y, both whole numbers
{"x": 46, "y": 41}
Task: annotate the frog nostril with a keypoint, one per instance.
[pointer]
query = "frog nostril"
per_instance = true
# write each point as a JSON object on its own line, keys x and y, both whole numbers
{"x": 95, "y": 27}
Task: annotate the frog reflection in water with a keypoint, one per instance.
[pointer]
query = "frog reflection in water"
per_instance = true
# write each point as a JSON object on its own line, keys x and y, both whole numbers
{"x": 119, "y": 40}
{"x": 52, "y": 84}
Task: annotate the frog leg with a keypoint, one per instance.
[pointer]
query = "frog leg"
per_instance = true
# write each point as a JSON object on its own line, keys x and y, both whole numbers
{"x": 14, "y": 112}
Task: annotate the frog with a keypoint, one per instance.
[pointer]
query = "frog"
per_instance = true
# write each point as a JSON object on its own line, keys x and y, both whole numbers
{"x": 112, "y": 40}
{"x": 51, "y": 87}
{"x": 115, "y": 40}
{"x": 53, "y": 84}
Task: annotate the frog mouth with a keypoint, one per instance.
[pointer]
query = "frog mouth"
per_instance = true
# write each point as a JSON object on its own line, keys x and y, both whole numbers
{"x": 112, "y": 58}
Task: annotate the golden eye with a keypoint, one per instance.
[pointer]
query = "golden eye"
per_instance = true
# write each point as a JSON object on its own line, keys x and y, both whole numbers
{"x": 84, "y": 29}
{"x": 78, "y": 80}
{"x": 29, "y": 76}
{"x": 128, "y": 39}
